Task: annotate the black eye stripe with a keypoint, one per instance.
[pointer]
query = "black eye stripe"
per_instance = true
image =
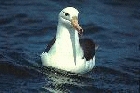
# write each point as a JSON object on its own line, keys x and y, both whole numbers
{"x": 67, "y": 14}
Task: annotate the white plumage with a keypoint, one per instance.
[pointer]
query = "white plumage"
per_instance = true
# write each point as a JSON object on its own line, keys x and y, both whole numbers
{"x": 66, "y": 52}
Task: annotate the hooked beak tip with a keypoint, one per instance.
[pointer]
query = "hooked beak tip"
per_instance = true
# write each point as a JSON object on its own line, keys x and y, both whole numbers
{"x": 80, "y": 32}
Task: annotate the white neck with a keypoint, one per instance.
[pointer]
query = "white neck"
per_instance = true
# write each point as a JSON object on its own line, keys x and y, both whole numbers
{"x": 67, "y": 41}
{"x": 66, "y": 33}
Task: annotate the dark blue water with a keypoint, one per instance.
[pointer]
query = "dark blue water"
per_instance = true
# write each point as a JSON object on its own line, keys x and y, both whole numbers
{"x": 26, "y": 26}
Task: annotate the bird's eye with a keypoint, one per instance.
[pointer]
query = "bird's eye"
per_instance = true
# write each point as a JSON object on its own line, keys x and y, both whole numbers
{"x": 67, "y": 14}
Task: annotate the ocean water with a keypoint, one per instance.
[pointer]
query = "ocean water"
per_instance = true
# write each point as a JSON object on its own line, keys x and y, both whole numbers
{"x": 26, "y": 26}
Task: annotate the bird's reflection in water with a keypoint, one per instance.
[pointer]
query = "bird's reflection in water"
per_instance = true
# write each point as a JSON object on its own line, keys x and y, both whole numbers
{"x": 62, "y": 81}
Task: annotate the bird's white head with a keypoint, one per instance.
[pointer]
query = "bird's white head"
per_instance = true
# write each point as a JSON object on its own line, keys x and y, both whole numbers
{"x": 69, "y": 18}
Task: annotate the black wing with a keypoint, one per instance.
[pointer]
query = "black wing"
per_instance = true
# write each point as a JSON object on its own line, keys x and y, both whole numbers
{"x": 50, "y": 45}
{"x": 88, "y": 47}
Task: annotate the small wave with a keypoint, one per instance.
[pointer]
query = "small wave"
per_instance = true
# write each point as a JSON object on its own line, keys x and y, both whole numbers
{"x": 7, "y": 20}
{"x": 115, "y": 76}
{"x": 21, "y": 15}
{"x": 7, "y": 68}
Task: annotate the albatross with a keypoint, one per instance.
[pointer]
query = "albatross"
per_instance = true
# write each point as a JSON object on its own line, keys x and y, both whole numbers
{"x": 67, "y": 51}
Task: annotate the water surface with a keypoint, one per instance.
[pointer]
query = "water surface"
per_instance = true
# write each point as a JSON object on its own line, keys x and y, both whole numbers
{"x": 27, "y": 26}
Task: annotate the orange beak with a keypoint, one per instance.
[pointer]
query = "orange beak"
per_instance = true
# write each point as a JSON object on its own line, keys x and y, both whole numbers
{"x": 75, "y": 24}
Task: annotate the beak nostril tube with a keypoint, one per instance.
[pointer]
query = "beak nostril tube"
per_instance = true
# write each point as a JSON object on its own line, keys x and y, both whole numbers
{"x": 75, "y": 24}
